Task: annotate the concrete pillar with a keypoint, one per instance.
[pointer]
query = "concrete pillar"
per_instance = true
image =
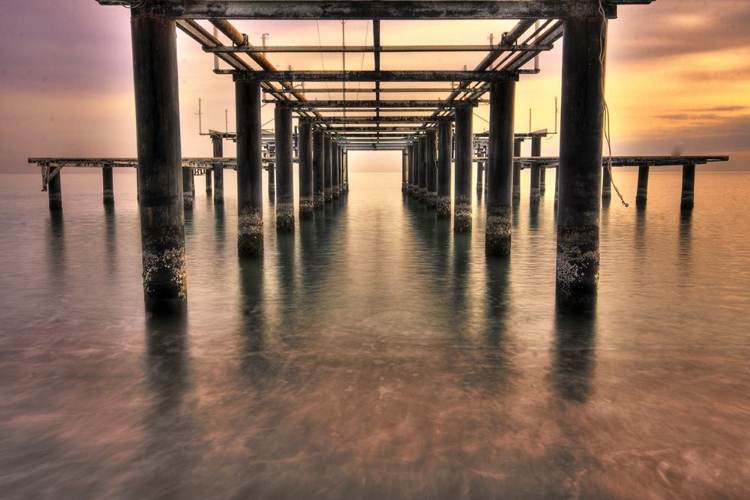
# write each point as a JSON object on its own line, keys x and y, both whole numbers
{"x": 542, "y": 181}
{"x": 54, "y": 192}
{"x": 536, "y": 151}
{"x": 327, "y": 148}
{"x": 641, "y": 195}
{"x": 218, "y": 168}
{"x": 412, "y": 174}
{"x": 557, "y": 185}
{"x": 318, "y": 169}
{"x": 480, "y": 171}
{"x": 249, "y": 168}
{"x": 500, "y": 168}
{"x": 188, "y": 193}
{"x": 517, "y": 169}
{"x": 581, "y": 126}
{"x": 688, "y": 187}
{"x": 346, "y": 171}
{"x": 404, "y": 169}
{"x": 431, "y": 197}
{"x": 284, "y": 168}
{"x": 108, "y": 186}
{"x": 415, "y": 160}
{"x": 606, "y": 183}
{"x": 272, "y": 178}
{"x": 445, "y": 146}
{"x": 335, "y": 170}
{"x": 422, "y": 169}
{"x": 209, "y": 187}
{"x": 464, "y": 153}
{"x": 305, "y": 159}
{"x": 157, "y": 114}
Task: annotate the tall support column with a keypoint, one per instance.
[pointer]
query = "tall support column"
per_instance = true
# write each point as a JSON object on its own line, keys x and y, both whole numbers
{"x": 500, "y": 168}
{"x": 464, "y": 153}
{"x": 412, "y": 174}
{"x": 304, "y": 146}
{"x": 422, "y": 169}
{"x": 335, "y": 170}
{"x": 188, "y": 189}
{"x": 318, "y": 169}
{"x": 536, "y": 151}
{"x": 272, "y": 178}
{"x": 328, "y": 192}
{"x": 54, "y": 191}
{"x": 249, "y": 169}
{"x": 157, "y": 114}
{"x": 209, "y": 183}
{"x": 542, "y": 181}
{"x": 445, "y": 146}
{"x": 108, "y": 186}
{"x": 431, "y": 167}
{"x": 581, "y": 126}
{"x": 517, "y": 169}
{"x": 218, "y": 168}
{"x": 480, "y": 185}
{"x": 346, "y": 171}
{"x": 415, "y": 160}
{"x": 284, "y": 168}
{"x": 688, "y": 187}
{"x": 606, "y": 183}
{"x": 404, "y": 168}
{"x": 641, "y": 195}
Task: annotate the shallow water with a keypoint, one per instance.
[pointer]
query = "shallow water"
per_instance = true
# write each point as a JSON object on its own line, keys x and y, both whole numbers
{"x": 375, "y": 354}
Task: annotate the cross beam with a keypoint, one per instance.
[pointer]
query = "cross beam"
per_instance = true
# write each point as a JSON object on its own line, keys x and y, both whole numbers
{"x": 374, "y": 104}
{"x": 300, "y": 49}
{"x": 375, "y": 76}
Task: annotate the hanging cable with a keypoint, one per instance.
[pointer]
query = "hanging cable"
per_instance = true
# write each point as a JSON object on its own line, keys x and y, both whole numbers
{"x": 362, "y": 65}
{"x": 322, "y": 61}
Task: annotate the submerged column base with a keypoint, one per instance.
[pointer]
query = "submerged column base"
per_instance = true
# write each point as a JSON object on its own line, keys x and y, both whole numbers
{"x": 306, "y": 207}
{"x": 285, "y": 216}
{"x": 318, "y": 200}
{"x": 109, "y": 197}
{"x": 164, "y": 270}
{"x": 641, "y": 195}
{"x": 404, "y": 187}
{"x": 577, "y": 268}
{"x": 535, "y": 196}
{"x": 444, "y": 207}
{"x": 335, "y": 193}
{"x": 250, "y": 233}
{"x": 218, "y": 196}
{"x": 328, "y": 194}
{"x": 498, "y": 232}
{"x": 462, "y": 215}
{"x": 422, "y": 194}
{"x": 187, "y": 200}
{"x": 431, "y": 199}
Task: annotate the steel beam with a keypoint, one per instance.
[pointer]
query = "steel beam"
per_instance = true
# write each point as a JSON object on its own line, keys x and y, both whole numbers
{"x": 359, "y": 49}
{"x": 375, "y": 76}
{"x": 341, "y": 104}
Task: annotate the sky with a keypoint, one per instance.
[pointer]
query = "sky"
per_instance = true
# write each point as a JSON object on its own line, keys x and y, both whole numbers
{"x": 678, "y": 79}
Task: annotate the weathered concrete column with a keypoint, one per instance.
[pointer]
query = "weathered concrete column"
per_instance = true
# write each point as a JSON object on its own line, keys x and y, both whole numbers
{"x": 464, "y": 153}
{"x": 500, "y": 168}
{"x": 54, "y": 192}
{"x": 415, "y": 166}
{"x": 536, "y": 151}
{"x": 284, "y": 168}
{"x": 422, "y": 169}
{"x": 209, "y": 186}
{"x": 557, "y": 186}
{"x": 345, "y": 170}
{"x": 305, "y": 159}
{"x": 542, "y": 181}
{"x": 641, "y": 195}
{"x": 480, "y": 171}
{"x": 108, "y": 186}
{"x": 272, "y": 178}
{"x": 404, "y": 169}
{"x": 318, "y": 169}
{"x": 517, "y": 169}
{"x": 188, "y": 189}
{"x": 335, "y": 170}
{"x": 431, "y": 197}
{"x": 327, "y": 168}
{"x": 688, "y": 187}
{"x": 445, "y": 146}
{"x": 157, "y": 114}
{"x": 581, "y": 126}
{"x": 606, "y": 183}
{"x": 411, "y": 174}
{"x": 249, "y": 168}
{"x": 218, "y": 144}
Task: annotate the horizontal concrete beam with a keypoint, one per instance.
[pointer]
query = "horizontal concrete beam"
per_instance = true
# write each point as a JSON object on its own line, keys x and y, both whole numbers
{"x": 373, "y": 76}
{"x": 301, "y": 49}
{"x": 374, "y": 104}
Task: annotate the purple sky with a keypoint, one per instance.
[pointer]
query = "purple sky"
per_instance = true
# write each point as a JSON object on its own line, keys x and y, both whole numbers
{"x": 678, "y": 73}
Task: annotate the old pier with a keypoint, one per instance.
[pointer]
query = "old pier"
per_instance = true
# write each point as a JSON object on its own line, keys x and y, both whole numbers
{"x": 439, "y": 148}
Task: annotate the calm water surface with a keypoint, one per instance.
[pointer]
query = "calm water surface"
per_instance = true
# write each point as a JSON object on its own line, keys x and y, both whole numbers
{"x": 374, "y": 354}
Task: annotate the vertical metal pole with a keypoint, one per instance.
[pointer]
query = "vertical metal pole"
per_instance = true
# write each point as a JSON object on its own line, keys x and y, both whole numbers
{"x": 249, "y": 169}
{"x": 159, "y": 162}
{"x": 318, "y": 168}
{"x": 641, "y": 195}
{"x": 500, "y": 171}
{"x": 284, "y": 168}
{"x": 187, "y": 188}
{"x": 536, "y": 151}
{"x": 305, "y": 159}
{"x": 335, "y": 170}
{"x": 581, "y": 128}
{"x": 445, "y": 143}
{"x": 431, "y": 167}
{"x": 328, "y": 192}
{"x": 688, "y": 187}
{"x": 108, "y": 186}
{"x": 218, "y": 168}
{"x": 517, "y": 169}
{"x": 464, "y": 152}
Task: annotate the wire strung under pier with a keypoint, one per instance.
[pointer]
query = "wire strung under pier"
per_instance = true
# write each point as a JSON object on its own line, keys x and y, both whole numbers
{"x": 322, "y": 61}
